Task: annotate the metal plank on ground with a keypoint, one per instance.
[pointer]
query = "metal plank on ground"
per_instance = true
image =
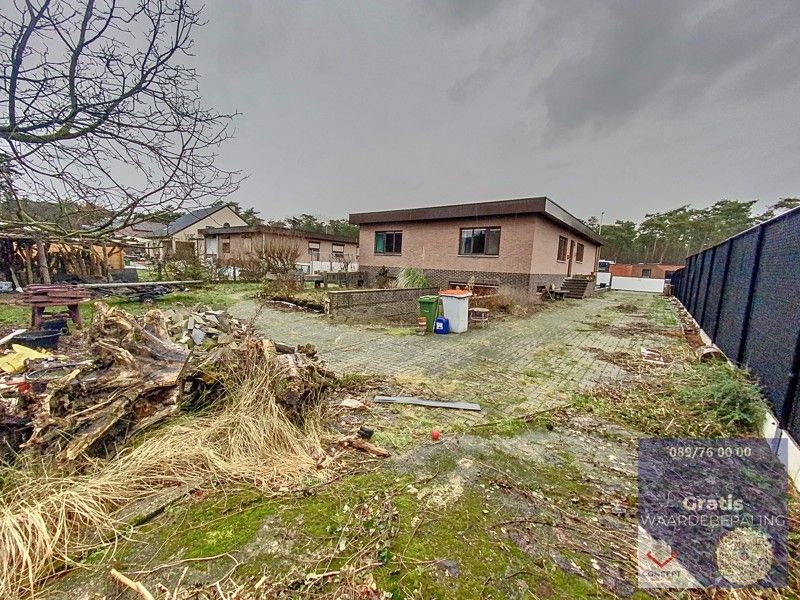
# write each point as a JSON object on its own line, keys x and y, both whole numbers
{"x": 429, "y": 403}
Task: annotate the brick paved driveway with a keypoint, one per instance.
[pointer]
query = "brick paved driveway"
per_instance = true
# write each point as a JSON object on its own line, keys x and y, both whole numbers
{"x": 533, "y": 361}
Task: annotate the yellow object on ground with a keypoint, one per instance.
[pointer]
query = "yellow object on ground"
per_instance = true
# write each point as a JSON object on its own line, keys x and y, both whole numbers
{"x": 14, "y": 360}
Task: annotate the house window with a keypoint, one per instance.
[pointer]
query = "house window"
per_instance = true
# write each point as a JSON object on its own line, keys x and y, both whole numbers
{"x": 483, "y": 241}
{"x": 313, "y": 246}
{"x": 647, "y": 273}
{"x": 226, "y": 245}
{"x": 388, "y": 242}
{"x": 338, "y": 249}
{"x": 579, "y": 253}
{"x": 562, "y": 249}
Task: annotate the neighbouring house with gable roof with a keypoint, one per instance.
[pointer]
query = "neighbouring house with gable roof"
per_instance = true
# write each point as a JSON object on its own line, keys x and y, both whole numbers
{"x": 184, "y": 236}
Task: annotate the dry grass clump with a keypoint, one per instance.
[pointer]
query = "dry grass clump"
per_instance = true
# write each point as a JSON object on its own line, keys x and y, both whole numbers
{"x": 411, "y": 277}
{"x": 627, "y": 308}
{"x": 702, "y": 400}
{"x": 48, "y": 517}
{"x": 509, "y": 301}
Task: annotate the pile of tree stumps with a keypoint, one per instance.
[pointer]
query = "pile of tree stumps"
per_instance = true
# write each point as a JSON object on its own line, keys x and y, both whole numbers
{"x": 131, "y": 375}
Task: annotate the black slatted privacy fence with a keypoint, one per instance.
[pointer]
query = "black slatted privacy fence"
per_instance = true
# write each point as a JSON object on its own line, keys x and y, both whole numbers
{"x": 745, "y": 293}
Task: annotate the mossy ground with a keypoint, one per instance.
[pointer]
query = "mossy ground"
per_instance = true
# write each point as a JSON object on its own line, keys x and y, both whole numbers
{"x": 542, "y": 507}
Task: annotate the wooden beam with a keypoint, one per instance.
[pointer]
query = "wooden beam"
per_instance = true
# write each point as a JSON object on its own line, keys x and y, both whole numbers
{"x": 27, "y": 251}
{"x": 429, "y": 403}
{"x": 41, "y": 255}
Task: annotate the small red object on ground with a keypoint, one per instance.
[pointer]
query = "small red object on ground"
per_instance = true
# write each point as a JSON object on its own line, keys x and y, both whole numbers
{"x": 435, "y": 435}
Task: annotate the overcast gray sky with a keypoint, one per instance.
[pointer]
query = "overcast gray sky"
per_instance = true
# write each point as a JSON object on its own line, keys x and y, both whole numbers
{"x": 624, "y": 107}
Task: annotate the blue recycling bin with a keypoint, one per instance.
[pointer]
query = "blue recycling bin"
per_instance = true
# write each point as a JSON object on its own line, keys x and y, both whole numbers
{"x": 441, "y": 325}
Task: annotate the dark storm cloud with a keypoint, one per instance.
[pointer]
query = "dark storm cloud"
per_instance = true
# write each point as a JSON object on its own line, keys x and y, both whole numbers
{"x": 465, "y": 88}
{"x": 623, "y": 107}
{"x": 669, "y": 52}
{"x": 540, "y": 29}
{"x": 462, "y": 13}
{"x": 620, "y": 57}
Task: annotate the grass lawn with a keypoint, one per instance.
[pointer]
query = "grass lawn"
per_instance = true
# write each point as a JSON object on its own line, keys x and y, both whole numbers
{"x": 215, "y": 295}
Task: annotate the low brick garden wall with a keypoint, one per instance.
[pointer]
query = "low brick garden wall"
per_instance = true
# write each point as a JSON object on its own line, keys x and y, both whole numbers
{"x": 400, "y": 304}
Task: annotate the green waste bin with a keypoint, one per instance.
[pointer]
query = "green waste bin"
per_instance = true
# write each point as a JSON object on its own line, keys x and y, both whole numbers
{"x": 429, "y": 308}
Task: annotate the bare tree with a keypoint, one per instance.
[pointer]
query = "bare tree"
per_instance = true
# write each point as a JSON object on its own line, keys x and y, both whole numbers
{"x": 100, "y": 116}
{"x": 278, "y": 256}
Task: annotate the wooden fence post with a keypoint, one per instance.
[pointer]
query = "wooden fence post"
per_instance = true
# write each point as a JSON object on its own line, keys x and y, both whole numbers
{"x": 44, "y": 267}
{"x": 105, "y": 271}
{"x": 27, "y": 251}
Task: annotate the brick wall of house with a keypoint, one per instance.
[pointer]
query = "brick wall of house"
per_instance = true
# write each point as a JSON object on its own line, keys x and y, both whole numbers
{"x": 326, "y": 249}
{"x": 528, "y": 252}
{"x": 657, "y": 270}
{"x": 375, "y": 305}
{"x": 241, "y": 244}
{"x": 538, "y": 280}
{"x": 545, "y": 250}
{"x": 435, "y": 245}
{"x": 443, "y": 278}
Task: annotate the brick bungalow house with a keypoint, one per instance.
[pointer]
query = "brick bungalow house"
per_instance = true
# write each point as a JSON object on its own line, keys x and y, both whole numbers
{"x": 317, "y": 251}
{"x": 525, "y": 243}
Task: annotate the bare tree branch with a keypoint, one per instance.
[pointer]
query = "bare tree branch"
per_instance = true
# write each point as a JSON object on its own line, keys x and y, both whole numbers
{"x": 101, "y": 116}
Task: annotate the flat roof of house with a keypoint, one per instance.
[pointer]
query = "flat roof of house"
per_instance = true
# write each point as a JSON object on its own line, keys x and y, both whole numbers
{"x": 312, "y": 235}
{"x": 518, "y": 206}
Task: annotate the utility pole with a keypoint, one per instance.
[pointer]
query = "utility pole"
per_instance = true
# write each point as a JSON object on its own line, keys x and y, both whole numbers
{"x": 597, "y": 251}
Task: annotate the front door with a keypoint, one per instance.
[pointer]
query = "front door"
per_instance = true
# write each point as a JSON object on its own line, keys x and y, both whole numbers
{"x": 569, "y": 257}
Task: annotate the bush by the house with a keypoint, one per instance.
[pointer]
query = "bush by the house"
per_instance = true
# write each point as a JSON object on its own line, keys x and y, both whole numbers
{"x": 411, "y": 277}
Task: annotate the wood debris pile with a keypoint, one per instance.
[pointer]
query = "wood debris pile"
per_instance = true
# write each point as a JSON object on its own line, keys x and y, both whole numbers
{"x": 47, "y": 295}
{"x": 139, "y": 373}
